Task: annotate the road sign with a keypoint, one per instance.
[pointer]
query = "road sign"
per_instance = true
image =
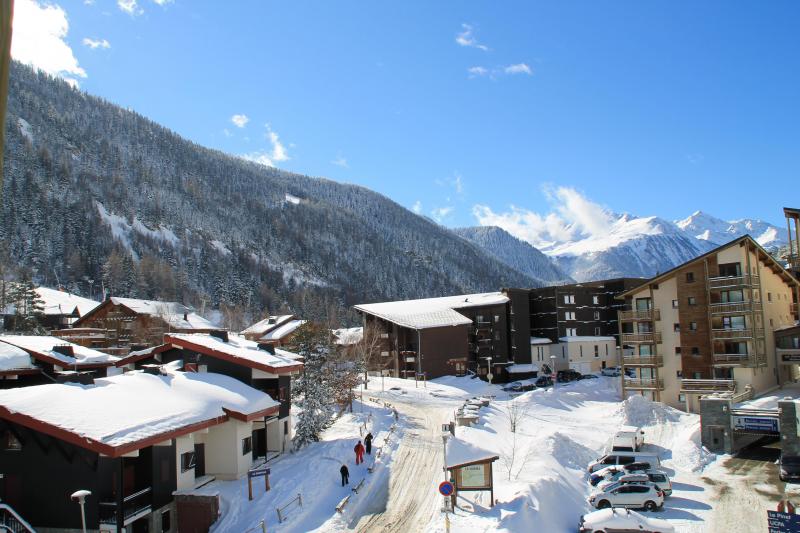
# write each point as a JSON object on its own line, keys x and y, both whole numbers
{"x": 778, "y": 522}
{"x": 763, "y": 424}
{"x": 446, "y": 488}
{"x": 258, "y": 472}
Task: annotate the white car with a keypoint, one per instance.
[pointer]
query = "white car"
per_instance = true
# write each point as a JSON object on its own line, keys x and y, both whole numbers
{"x": 608, "y": 520}
{"x": 635, "y": 496}
{"x": 612, "y": 371}
{"x": 656, "y": 477}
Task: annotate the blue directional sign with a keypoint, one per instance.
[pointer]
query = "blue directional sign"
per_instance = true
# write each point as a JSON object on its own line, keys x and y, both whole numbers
{"x": 446, "y": 488}
{"x": 778, "y": 522}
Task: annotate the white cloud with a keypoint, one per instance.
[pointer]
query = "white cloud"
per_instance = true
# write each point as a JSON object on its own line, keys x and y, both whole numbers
{"x": 466, "y": 38}
{"x": 340, "y": 162}
{"x": 38, "y": 39}
{"x": 131, "y": 7}
{"x": 94, "y": 44}
{"x": 162, "y": 2}
{"x": 477, "y": 71}
{"x": 276, "y": 153}
{"x": 571, "y": 216}
{"x": 519, "y": 68}
{"x": 240, "y": 121}
{"x": 417, "y": 207}
{"x": 440, "y": 213}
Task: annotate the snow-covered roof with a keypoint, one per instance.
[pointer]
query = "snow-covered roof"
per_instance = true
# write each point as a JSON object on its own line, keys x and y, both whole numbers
{"x": 44, "y": 347}
{"x": 540, "y": 340}
{"x": 238, "y": 350}
{"x": 432, "y": 312}
{"x": 348, "y": 336}
{"x": 264, "y": 325}
{"x": 135, "y": 409}
{"x": 586, "y": 339}
{"x": 13, "y": 358}
{"x": 175, "y": 314}
{"x": 282, "y": 331}
{"x": 460, "y": 452}
{"x": 522, "y": 368}
{"x": 58, "y": 302}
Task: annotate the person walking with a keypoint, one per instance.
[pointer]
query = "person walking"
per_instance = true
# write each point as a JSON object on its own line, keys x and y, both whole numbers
{"x": 345, "y": 475}
{"x": 368, "y": 443}
{"x": 359, "y": 449}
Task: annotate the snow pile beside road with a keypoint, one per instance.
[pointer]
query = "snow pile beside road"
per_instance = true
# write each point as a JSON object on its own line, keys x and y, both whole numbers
{"x": 639, "y": 411}
{"x": 568, "y": 452}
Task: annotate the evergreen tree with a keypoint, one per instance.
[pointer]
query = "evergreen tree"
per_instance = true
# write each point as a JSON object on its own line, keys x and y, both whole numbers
{"x": 29, "y": 311}
{"x": 312, "y": 387}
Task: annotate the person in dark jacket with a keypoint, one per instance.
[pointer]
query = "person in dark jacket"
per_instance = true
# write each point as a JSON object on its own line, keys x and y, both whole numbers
{"x": 359, "y": 449}
{"x": 368, "y": 443}
{"x": 345, "y": 475}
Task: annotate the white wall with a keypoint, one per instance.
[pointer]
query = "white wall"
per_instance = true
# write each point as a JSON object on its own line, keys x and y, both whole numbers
{"x": 224, "y": 458}
{"x": 182, "y": 445}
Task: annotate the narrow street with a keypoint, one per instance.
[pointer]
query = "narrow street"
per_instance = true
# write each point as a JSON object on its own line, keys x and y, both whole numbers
{"x": 408, "y": 501}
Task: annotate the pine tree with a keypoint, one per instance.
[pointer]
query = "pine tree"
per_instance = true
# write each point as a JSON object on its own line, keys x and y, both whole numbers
{"x": 29, "y": 306}
{"x": 313, "y": 386}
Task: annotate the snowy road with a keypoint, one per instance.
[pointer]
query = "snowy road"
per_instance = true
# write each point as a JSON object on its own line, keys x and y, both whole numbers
{"x": 408, "y": 500}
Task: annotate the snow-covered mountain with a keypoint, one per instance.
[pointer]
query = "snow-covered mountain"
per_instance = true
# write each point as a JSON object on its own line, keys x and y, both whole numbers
{"x": 717, "y": 231}
{"x": 514, "y": 252}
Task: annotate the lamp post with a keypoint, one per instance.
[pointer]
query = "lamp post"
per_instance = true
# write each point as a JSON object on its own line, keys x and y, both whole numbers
{"x": 489, "y": 374}
{"x": 553, "y": 371}
{"x": 80, "y": 497}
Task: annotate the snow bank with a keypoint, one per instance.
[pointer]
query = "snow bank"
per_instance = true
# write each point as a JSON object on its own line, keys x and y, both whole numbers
{"x": 639, "y": 411}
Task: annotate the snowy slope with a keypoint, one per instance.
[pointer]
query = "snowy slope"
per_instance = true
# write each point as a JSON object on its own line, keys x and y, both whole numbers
{"x": 717, "y": 231}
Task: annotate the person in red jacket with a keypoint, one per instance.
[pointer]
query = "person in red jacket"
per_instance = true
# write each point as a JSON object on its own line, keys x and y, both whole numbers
{"x": 359, "y": 449}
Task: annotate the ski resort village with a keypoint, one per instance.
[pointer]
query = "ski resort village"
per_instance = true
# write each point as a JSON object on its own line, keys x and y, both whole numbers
{"x": 399, "y": 267}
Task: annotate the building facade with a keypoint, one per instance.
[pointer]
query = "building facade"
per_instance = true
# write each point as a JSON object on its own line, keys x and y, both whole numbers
{"x": 708, "y": 326}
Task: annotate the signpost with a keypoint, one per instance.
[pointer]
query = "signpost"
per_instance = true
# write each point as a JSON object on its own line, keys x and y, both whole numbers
{"x": 256, "y": 472}
{"x": 778, "y": 522}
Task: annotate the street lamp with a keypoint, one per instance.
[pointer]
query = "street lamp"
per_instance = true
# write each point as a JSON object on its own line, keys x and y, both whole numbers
{"x": 553, "y": 371}
{"x": 489, "y": 374}
{"x": 80, "y": 497}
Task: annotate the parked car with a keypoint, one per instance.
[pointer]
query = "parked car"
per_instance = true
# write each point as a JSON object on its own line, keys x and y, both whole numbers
{"x": 607, "y": 520}
{"x": 634, "y": 496}
{"x": 519, "y": 386}
{"x": 790, "y": 467}
{"x": 611, "y": 371}
{"x": 656, "y": 477}
{"x": 564, "y": 376}
{"x": 613, "y": 472}
{"x": 624, "y": 458}
{"x": 628, "y": 439}
{"x": 544, "y": 381}
{"x": 587, "y": 376}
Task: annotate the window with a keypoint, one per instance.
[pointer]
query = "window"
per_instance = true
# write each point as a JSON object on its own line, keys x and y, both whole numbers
{"x": 689, "y": 277}
{"x": 569, "y": 298}
{"x": 497, "y": 335}
{"x": 693, "y": 326}
{"x": 11, "y": 442}
{"x": 283, "y": 394}
{"x": 679, "y": 374}
{"x": 646, "y": 349}
{"x": 695, "y": 350}
{"x": 692, "y": 300}
{"x": 247, "y": 445}
{"x": 187, "y": 461}
{"x": 606, "y": 352}
{"x": 569, "y": 315}
{"x": 166, "y": 522}
{"x": 729, "y": 270}
{"x": 572, "y": 332}
{"x": 597, "y": 331}
{"x": 681, "y": 398}
{"x": 698, "y": 375}
{"x": 769, "y": 296}
{"x": 597, "y": 350}
{"x": 732, "y": 296}
{"x": 479, "y": 318}
{"x": 644, "y": 304}
{"x": 580, "y": 350}
{"x": 597, "y": 315}
{"x": 676, "y": 327}
{"x": 677, "y": 350}
{"x": 596, "y": 300}
{"x": 497, "y": 318}
{"x": 674, "y": 304}
{"x": 733, "y": 322}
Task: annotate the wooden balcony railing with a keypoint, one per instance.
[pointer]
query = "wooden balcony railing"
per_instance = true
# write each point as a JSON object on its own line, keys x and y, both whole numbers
{"x": 731, "y": 358}
{"x": 708, "y": 385}
{"x": 643, "y": 360}
{"x": 642, "y": 338}
{"x": 746, "y": 333}
{"x": 640, "y": 315}
{"x": 724, "y": 282}
{"x": 646, "y": 383}
{"x": 733, "y": 308}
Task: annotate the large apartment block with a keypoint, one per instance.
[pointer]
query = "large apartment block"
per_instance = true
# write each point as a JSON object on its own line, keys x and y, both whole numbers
{"x": 708, "y": 326}
{"x": 575, "y": 310}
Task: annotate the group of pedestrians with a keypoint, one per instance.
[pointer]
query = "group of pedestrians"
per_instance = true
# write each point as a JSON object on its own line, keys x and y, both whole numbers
{"x": 359, "y": 449}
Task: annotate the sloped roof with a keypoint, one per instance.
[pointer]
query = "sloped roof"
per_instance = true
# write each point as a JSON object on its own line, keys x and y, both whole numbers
{"x": 282, "y": 331}
{"x": 133, "y": 410}
{"x": 266, "y": 324}
{"x": 177, "y": 315}
{"x": 42, "y": 347}
{"x": 237, "y": 350}
{"x": 432, "y": 312}
{"x": 13, "y": 358}
{"x": 58, "y": 302}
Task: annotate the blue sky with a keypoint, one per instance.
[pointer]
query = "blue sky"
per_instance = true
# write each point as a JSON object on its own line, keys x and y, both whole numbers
{"x": 652, "y": 108}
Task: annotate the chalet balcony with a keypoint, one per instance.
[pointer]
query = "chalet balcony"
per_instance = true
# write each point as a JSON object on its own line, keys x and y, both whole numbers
{"x": 643, "y": 360}
{"x": 708, "y": 385}
{"x": 728, "y": 282}
{"x": 135, "y": 506}
{"x": 644, "y": 383}
{"x": 730, "y": 333}
{"x": 640, "y": 315}
{"x": 728, "y": 359}
{"x": 653, "y": 337}
{"x": 793, "y": 309}
{"x": 735, "y": 308}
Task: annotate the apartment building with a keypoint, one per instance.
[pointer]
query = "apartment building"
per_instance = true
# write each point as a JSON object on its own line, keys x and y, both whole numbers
{"x": 793, "y": 223}
{"x": 708, "y": 326}
{"x": 576, "y": 310}
{"x": 442, "y": 336}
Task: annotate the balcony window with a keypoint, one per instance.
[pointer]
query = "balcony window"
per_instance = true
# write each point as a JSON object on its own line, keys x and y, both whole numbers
{"x": 732, "y": 296}
{"x": 646, "y": 349}
{"x": 569, "y": 315}
{"x": 596, "y": 331}
{"x": 644, "y": 327}
{"x": 597, "y": 315}
{"x": 596, "y": 300}
{"x": 730, "y": 270}
{"x": 569, "y": 298}
{"x": 644, "y": 304}
{"x": 693, "y": 326}
{"x": 733, "y": 322}
{"x": 572, "y": 332}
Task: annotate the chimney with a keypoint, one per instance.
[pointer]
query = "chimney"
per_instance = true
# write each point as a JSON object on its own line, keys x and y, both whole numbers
{"x": 186, "y": 316}
{"x": 64, "y": 349}
{"x": 271, "y": 320}
{"x": 269, "y": 348}
{"x": 86, "y": 378}
{"x": 221, "y": 334}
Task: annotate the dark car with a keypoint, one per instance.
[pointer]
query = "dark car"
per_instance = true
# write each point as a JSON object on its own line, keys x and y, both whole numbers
{"x": 519, "y": 386}
{"x": 544, "y": 381}
{"x": 563, "y": 376}
{"x": 587, "y": 376}
{"x": 790, "y": 467}
{"x": 640, "y": 466}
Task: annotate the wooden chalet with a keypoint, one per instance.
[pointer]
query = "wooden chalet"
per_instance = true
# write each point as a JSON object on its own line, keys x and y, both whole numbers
{"x": 276, "y": 330}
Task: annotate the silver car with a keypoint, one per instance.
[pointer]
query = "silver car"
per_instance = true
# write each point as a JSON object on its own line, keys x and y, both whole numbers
{"x": 630, "y": 495}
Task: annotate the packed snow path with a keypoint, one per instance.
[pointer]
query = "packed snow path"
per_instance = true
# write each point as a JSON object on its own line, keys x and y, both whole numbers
{"x": 407, "y": 500}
